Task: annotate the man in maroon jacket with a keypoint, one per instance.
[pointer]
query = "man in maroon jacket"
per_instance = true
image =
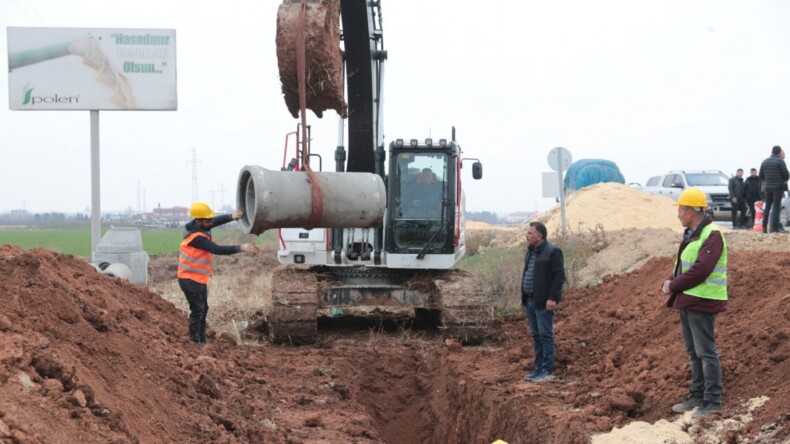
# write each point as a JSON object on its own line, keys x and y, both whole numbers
{"x": 698, "y": 288}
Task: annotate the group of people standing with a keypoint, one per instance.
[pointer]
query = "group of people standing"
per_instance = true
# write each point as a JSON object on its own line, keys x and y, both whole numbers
{"x": 768, "y": 186}
{"x": 697, "y": 287}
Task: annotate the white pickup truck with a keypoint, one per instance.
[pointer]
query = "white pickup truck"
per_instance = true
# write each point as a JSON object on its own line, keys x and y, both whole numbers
{"x": 713, "y": 183}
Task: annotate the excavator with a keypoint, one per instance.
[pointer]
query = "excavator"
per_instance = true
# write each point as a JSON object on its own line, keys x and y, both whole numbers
{"x": 383, "y": 232}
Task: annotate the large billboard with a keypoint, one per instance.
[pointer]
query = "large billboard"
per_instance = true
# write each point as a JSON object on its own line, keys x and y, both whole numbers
{"x": 91, "y": 69}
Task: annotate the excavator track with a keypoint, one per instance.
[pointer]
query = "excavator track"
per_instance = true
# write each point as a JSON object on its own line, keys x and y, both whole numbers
{"x": 294, "y": 314}
{"x": 467, "y": 311}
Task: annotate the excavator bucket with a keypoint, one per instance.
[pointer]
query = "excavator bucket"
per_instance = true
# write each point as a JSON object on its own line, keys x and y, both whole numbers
{"x": 323, "y": 68}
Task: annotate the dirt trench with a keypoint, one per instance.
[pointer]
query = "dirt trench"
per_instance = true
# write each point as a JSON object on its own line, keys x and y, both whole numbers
{"x": 86, "y": 356}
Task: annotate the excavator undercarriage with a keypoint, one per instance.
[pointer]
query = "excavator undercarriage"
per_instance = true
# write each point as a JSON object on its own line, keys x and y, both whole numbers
{"x": 300, "y": 294}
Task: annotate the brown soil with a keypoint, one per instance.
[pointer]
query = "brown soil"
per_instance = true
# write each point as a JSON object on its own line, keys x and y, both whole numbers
{"x": 84, "y": 356}
{"x": 324, "y": 61}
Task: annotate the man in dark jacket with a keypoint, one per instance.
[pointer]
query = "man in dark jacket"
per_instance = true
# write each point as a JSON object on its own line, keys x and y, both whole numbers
{"x": 541, "y": 290}
{"x": 752, "y": 191}
{"x": 774, "y": 174}
{"x": 736, "y": 197}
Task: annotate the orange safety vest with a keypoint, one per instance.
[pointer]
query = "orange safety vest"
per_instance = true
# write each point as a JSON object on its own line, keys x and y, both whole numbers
{"x": 194, "y": 263}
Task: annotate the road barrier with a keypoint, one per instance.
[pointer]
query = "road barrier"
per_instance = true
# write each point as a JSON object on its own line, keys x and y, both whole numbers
{"x": 758, "y": 217}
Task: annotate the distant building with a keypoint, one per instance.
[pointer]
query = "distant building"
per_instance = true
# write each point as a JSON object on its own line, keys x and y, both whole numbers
{"x": 168, "y": 217}
{"x": 171, "y": 214}
{"x": 518, "y": 218}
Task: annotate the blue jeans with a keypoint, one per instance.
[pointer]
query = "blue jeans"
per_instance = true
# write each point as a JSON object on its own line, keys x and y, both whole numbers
{"x": 541, "y": 326}
{"x": 700, "y": 345}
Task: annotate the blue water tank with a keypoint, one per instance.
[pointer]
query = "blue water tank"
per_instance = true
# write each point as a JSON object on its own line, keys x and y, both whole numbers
{"x": 586, "y": 172}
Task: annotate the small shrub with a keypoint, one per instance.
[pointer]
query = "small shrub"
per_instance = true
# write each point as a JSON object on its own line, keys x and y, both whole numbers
{"x": 478, "y": 240}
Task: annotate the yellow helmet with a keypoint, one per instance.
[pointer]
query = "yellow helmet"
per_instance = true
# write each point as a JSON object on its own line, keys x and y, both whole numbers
{"x": 692, "y": 197}
{"x": 201, "y": 210}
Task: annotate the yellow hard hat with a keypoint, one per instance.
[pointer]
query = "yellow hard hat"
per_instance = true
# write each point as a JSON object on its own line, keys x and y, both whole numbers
{"x": 201, "y": 210}
{"x": 692, "y": 197}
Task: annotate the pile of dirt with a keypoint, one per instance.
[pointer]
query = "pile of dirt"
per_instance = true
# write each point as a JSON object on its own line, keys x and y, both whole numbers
{"x": 86, "y": 355}
{"x": 323, "y": 70}
{"x": 620, "y": 338}
{"x": 613, "y": 206}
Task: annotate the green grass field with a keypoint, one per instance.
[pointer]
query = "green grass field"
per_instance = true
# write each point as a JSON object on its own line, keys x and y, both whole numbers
{"x": 77, "y": 241}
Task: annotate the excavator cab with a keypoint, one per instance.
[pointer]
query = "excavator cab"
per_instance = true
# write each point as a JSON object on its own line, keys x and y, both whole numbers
{"x": 421, "y": 202}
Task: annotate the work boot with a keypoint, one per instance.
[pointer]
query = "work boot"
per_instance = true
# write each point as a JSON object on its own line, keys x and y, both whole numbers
{"x": 689, "y": 403}
{"x": 193, "y": 331}
{"x": 542, "y": 376}
{"x": 706, "y": 409}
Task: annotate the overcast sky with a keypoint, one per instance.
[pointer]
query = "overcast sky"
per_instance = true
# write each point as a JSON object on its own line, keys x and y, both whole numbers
{"x": 650, "y": 85}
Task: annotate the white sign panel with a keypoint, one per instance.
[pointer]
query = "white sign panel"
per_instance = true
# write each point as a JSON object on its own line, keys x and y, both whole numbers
{"x": 551, "y": 185}
{"x": 91, "y": 69}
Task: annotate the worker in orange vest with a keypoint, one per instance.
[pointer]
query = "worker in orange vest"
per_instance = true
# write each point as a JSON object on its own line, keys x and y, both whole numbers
{"x": 194, "y": 262}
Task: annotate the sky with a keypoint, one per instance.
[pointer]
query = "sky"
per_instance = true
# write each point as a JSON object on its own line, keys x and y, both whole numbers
{"x": 651, "y": 85}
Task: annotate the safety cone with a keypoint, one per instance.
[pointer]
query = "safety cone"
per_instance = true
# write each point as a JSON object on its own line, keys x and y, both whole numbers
{"x": 758, "y": 217}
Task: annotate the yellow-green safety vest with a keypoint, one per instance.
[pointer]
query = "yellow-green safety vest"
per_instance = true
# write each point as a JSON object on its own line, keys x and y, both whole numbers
{"x": 715, "y": 285}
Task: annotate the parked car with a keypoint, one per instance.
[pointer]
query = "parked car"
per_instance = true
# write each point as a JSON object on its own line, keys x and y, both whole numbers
{"x": 713, "y": 183}
{"x": 784, "y": 214}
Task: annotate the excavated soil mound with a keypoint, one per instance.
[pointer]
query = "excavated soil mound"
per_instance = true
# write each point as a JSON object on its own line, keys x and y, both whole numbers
{"x": 86, "y": 357}
{"x": 620, "y": 340}
{"x": 323, "y": 69}
{"x": 613, "y": 206}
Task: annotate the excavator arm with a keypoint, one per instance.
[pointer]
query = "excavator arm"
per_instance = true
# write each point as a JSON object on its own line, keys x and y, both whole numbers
{"x": 364, "y": 68}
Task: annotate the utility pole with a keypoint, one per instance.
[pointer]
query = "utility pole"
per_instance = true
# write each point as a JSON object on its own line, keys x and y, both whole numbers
{"x": 194, "y": 163}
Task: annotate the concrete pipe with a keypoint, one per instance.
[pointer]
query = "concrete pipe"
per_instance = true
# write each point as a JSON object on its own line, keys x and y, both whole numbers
{"x": 284, "y": 199}
{"x": 118, "y": 270}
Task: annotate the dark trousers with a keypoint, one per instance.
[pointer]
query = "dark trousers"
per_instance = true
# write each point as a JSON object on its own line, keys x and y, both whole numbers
{"x": 773, "y": 205}
{"x": 739, "y": 205}
{"x": 698, "y": 338}
{"x": 541, "y": 327}
{"x": 197, "y": 296}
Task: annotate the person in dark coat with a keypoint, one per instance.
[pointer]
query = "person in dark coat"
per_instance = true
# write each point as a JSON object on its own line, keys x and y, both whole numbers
{"x": 541, "y": 290}
{"x": 736, "y": 188}
{"x": 774, "y": 174}
{"x": 752, "y": 191}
